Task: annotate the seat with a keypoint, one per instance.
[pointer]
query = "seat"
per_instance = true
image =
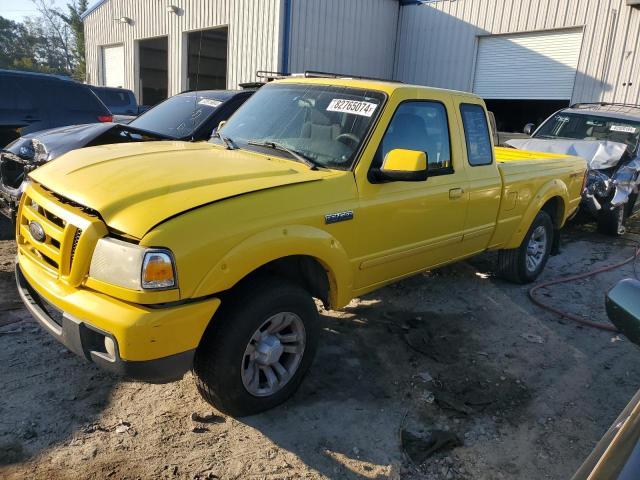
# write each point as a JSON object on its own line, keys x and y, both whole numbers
{"x": 319, "y": 127}
{"x": 407, "y": 131}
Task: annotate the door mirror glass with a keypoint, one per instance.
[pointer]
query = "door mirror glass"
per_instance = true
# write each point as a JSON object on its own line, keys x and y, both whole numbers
{"x": 623, "y": 308}
{"x": 400, "y": 165}
{"x": 529, "y": 128}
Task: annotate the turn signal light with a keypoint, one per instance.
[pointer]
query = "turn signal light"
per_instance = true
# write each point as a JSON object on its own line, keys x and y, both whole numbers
{"x": 157, "y": 271}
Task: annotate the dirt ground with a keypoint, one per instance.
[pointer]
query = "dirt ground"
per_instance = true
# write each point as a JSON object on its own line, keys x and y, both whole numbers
{"x": 454, "y": 350}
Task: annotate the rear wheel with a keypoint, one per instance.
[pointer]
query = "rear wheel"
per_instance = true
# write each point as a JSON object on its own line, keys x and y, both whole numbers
{"x": 258, "y": 347}
{"x": 525, "y": 263}
{"x": 611, "y": 222}
{"x": 630, "y": 210}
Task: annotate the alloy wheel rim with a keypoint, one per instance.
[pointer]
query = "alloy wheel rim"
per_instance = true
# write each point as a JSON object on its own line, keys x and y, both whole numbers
{"x": 536, "y": 248}
{"x": 274, "y": 354}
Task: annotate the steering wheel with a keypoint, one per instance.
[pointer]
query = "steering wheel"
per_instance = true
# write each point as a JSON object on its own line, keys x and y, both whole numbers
{"x": 350, "y": 137}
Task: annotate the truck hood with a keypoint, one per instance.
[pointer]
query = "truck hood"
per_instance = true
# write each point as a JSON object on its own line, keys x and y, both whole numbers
{"x": 60, "y": 140}
{"x": 137, "y": 186}
{"x": 599, "y": 154}
{"x": 57, "y": 141}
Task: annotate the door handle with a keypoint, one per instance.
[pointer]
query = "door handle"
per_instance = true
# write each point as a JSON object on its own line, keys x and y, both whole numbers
{"x": 455, "y": 193}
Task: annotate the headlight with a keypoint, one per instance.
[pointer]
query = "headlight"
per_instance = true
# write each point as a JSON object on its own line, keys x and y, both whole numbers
{"x": 34, "y": 150}
{"x": 40, "y": 152}
{"x": 599, "y": 184}
{"x": 132, "y": 266}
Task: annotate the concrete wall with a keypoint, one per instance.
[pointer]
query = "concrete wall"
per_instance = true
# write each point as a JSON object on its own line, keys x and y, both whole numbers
{"x": 254, "y": 35}
{"x": 437, "y": 42}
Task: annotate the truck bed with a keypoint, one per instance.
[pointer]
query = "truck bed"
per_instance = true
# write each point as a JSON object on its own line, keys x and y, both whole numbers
{"x": 523, "y": 174}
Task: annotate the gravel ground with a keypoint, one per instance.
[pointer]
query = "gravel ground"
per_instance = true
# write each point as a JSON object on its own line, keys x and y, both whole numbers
{"x": 455, "y": 350}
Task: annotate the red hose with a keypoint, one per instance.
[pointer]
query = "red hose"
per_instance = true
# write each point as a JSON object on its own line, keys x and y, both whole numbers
{"x": 571, "y": 316}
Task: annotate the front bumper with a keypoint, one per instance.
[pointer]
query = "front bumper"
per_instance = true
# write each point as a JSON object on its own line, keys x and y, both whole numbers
{"x": 148, "y": 343}
{"x": 8, "y": 204}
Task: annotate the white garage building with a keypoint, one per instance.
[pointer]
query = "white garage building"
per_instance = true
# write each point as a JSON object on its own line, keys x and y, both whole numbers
{"x": 520, "y": 55}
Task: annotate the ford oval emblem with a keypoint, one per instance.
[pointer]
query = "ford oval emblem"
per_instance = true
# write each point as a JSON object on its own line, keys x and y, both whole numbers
{"x": 37, "y": 232}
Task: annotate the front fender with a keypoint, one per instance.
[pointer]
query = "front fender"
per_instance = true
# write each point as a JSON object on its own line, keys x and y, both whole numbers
{"x": 551, "y": 189}
{"x": 280, "y": 242}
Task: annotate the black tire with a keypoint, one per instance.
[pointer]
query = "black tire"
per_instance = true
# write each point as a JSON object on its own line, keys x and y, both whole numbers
{"x": 630, "y": 209}
{"x": 611, "y": 221}
{"x": 512, "y": 263}
{"x": 219, "y": 358}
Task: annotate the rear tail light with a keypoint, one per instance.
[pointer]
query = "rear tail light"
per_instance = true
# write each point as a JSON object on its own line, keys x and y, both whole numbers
{"x": 105, "y": 118}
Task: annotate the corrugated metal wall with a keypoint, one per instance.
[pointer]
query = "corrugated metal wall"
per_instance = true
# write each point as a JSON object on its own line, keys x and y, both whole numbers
{"x": 345, "y": 36}
{"x": 254, "y": 35}
{"x": 437, "y": 42}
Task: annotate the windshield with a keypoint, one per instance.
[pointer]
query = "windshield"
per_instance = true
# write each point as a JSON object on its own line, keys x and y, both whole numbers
{"x": 178, "y": 116}
{"x": 590, "y": 127}
{"x": 324, "y": 124}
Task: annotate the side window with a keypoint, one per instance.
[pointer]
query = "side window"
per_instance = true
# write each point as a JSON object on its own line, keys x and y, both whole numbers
{"x": 13, "y": 96}
{"x": 476, "y": 132}
{"x": 420, "y": 126}
{"x": 70, "y": 96}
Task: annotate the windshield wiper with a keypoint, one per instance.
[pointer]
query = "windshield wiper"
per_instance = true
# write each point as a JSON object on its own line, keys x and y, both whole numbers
{"x": 228, "y": 143}
{"x": 309, "y": 162}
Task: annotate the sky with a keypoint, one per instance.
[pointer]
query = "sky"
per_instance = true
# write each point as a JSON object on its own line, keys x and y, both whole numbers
{"x": 16, "y": 10}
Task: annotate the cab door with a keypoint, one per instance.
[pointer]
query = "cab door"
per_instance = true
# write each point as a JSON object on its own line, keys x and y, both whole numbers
{"x": 484, "y": 180}
{"x": 403, "y": 226}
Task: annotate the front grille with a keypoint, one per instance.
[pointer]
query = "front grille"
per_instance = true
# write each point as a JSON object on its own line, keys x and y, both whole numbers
{"x": 74, "y": 245}
{"x": 62, "y": 230}
{"x": 12, "y": 172}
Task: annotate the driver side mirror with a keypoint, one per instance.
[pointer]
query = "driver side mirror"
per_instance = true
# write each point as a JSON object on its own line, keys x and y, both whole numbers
{"x": 623, "y": 308}
{"x": 529, "y": 128}
{"x": 400, "y": 165}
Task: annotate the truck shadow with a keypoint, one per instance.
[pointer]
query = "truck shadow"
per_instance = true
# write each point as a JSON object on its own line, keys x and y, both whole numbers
{"x": 365, "y": 386}
{"x": 35, "y": 412}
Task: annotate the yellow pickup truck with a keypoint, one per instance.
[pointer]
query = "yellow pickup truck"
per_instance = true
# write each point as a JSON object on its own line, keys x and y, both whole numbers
{"x": 155, "y": 258}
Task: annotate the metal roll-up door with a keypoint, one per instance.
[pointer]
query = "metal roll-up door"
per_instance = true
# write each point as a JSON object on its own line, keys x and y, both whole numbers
{"x": 113, "y": 66}
{"x": 528, "y": 66}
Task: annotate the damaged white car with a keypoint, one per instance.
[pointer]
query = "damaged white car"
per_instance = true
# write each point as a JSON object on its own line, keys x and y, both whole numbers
{"x": 607, "y": 136}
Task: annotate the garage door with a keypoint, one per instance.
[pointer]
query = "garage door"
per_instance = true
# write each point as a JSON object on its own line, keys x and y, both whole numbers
{"x": 113, "y": 66}
{"x": 539, "y": 65}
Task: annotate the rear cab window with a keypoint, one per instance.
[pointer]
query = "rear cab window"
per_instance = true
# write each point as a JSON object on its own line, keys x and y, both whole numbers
{"x": 114, "y": 98}
{"x": 476, "y": 133}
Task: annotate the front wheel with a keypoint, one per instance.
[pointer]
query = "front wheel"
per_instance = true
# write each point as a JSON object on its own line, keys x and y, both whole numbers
{"x": 258, "y": 347}
{"x": 525, "y": 263}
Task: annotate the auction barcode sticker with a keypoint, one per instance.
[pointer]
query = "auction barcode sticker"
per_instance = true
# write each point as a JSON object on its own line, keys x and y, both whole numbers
{"x": 622, "y": 128}
{"x": 210, "y": 102}
{"x": 355, "y": 107}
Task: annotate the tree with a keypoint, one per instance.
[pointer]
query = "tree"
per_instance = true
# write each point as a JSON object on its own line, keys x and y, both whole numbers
{"x": 74, "y": 21}
{"x": 53, "y": 42}
{"x": 65, "y": 33}
{"x": 58, "y": 34}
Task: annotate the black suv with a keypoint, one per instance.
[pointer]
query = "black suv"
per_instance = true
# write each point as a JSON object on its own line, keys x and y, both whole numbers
{"x": 30, "y": 102}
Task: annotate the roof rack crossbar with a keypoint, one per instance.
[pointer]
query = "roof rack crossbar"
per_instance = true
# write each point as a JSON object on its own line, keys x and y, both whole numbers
{"x": 604, "y": 104}
{"x": 320, "y": 74}
{"x": 271, "y": 75}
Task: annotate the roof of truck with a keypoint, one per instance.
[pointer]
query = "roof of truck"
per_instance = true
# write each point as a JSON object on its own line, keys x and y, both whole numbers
{"x": 386, "y": 86}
